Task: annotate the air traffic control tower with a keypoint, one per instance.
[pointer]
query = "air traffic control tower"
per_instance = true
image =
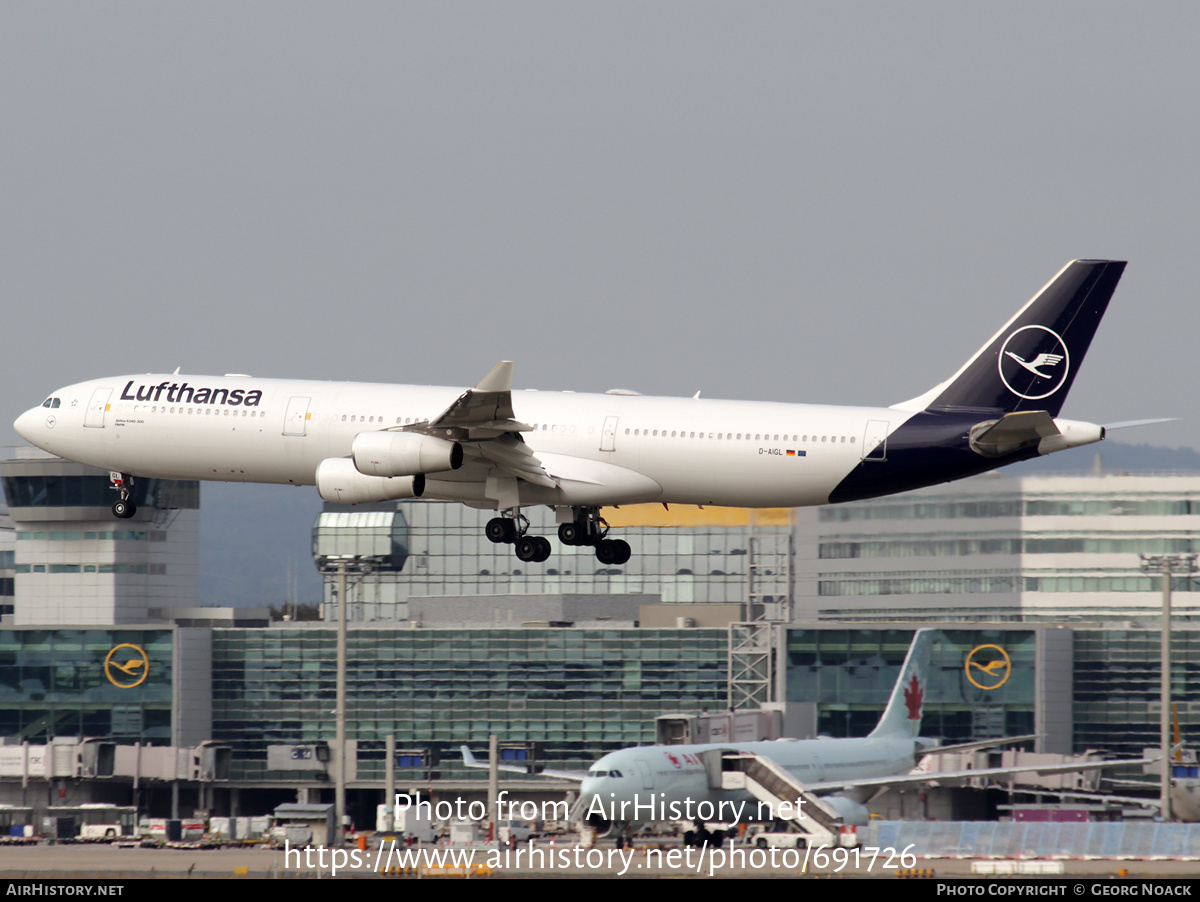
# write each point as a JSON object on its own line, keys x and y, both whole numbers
{"x": 74, "y": 563}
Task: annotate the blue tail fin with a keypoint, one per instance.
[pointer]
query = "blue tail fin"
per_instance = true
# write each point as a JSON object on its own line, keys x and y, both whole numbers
{"x": 1032, "y": 361}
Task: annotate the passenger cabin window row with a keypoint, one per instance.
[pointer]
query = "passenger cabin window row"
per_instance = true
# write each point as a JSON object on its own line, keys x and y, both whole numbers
{"x": 740, "y": 436}
{"x": 162, "y": 408}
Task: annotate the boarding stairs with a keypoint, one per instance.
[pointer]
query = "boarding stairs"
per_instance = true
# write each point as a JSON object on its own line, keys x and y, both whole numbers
{"x": 770, "y": 783}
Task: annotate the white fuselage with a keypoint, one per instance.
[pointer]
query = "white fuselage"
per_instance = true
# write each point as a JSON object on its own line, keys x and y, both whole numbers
{"x": 243, "y": 429}
{"x": 675, "y": 776}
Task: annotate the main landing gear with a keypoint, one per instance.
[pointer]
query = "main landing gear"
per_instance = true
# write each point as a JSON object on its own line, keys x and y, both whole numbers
{"x": 587, "y": 528}
{"x": 123, "y": 508}
{"x": 511, "y": 530}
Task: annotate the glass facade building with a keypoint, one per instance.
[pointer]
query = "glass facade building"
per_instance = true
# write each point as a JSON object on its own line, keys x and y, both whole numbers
{"x": 996, "y": 547}
{"x": 579, "y": 692}
{"x": 684, "y": 555}
{"x": 1118, "y": 687}
{"x": 849, "y": 674}
{"x": 56, "y": 683}
{"x": 75, "y": 565}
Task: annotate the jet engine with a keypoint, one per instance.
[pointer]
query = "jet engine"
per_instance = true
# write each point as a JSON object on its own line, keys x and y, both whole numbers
{"x": 338, "y": 481}
{"x": 404, "y": 454}
{"x": 851, "y": 812}
{"x": 602, "y": 825}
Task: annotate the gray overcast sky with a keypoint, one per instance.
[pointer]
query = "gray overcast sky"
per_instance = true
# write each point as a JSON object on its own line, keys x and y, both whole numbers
{"x": 820, "y": 202}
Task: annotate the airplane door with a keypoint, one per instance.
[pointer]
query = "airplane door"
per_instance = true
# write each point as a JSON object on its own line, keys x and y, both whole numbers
{"x": 874, "y": 446}
{"x": 295, "y": 421}
{"x": 643, "y": 767}
{"x": 97, "y": 407}
{"x": 608, "y": 439}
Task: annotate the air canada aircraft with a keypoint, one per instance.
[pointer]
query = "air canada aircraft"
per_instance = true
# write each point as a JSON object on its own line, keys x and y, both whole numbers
{"x": 495, "y": 449}
{"x": 836, "y": 778}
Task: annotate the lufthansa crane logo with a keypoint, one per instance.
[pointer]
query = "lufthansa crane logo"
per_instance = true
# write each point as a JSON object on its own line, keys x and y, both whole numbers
{"x": 988, "y": 667}
{"x": 126, "y": 666}
{"x": 1034, "y": 362}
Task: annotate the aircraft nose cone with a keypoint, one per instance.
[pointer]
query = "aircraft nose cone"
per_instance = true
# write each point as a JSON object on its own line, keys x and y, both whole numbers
{"x": 33, "y": 423}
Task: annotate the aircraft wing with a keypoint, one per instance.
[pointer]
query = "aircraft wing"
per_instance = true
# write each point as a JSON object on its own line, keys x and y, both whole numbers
{"x": 485, "y": 411}
{"x": 937, "y": 778}
{"x": 973, "y": 746}
{"x": 469, "y": 760}
{"x": 482, "y": 420}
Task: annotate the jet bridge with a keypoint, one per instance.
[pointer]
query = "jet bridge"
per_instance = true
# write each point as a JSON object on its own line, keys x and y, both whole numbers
{"x": 817, "y": 822}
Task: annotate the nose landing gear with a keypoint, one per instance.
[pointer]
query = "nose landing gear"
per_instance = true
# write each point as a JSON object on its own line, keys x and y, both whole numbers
{"x": 123, "y": 508}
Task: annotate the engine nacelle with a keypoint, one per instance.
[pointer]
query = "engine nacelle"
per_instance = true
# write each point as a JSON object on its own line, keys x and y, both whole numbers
{"x": 851, "y": 812}
{"x": 404, "y": 454}
{"x": 602, "y": 825}
{"x": 340, "y": 482}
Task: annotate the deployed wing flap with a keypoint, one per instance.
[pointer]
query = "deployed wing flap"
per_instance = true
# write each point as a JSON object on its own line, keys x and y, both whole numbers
{"x": 514, "y": 457}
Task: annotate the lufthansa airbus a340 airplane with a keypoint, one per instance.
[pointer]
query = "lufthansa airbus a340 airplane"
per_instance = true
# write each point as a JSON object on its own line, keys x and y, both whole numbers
{"x": 496, "y": 449}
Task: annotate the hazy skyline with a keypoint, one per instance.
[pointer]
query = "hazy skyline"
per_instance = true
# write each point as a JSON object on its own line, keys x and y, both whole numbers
{"x": 830, "y": 203}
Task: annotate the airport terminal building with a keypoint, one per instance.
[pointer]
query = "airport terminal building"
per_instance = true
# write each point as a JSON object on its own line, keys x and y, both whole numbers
{"x": 113, "y": 677}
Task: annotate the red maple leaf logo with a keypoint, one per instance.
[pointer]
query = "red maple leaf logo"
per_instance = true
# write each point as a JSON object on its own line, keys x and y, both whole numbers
{"x": 913, "y": 696}
{"x": 673, "y": 759}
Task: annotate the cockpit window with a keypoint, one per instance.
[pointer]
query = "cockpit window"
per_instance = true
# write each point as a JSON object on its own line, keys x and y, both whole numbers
{"x": 56, "y": 402}
{"x": 46, "y": 403}
{"x": 52, "y": 402}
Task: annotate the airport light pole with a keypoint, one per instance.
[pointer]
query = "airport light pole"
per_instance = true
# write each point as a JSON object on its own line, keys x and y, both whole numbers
{"x": 339, "y": 792}
{"x": 1167, "y": 565}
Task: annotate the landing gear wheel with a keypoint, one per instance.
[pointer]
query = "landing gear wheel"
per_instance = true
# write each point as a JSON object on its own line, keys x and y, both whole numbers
{"x": 613, "y": 551}
{"x": 500, "y": 529}
{"x": 123, "y": 509}
{"x": 528, "y": 548}
{"x": 570, "y": 534}
{"x": 543, "y": 545}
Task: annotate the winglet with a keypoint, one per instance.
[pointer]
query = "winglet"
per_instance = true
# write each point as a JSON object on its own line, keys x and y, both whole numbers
{"x": 499, "y": 379}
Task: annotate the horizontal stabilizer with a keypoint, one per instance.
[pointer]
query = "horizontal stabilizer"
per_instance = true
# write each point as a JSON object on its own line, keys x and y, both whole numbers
{"x": 1031, "y": 429}
{"x": 1012, "y": 432}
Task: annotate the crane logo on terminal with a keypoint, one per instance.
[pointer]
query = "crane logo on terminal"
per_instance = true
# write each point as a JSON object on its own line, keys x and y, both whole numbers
{"x": 126, "y": 666}
{"x": 988, "y": 667}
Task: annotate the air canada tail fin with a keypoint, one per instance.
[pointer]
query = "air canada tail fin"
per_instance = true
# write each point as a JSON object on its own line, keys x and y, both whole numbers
{"x": 902, "y": 716}
{"x": 1032, "y": 361}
